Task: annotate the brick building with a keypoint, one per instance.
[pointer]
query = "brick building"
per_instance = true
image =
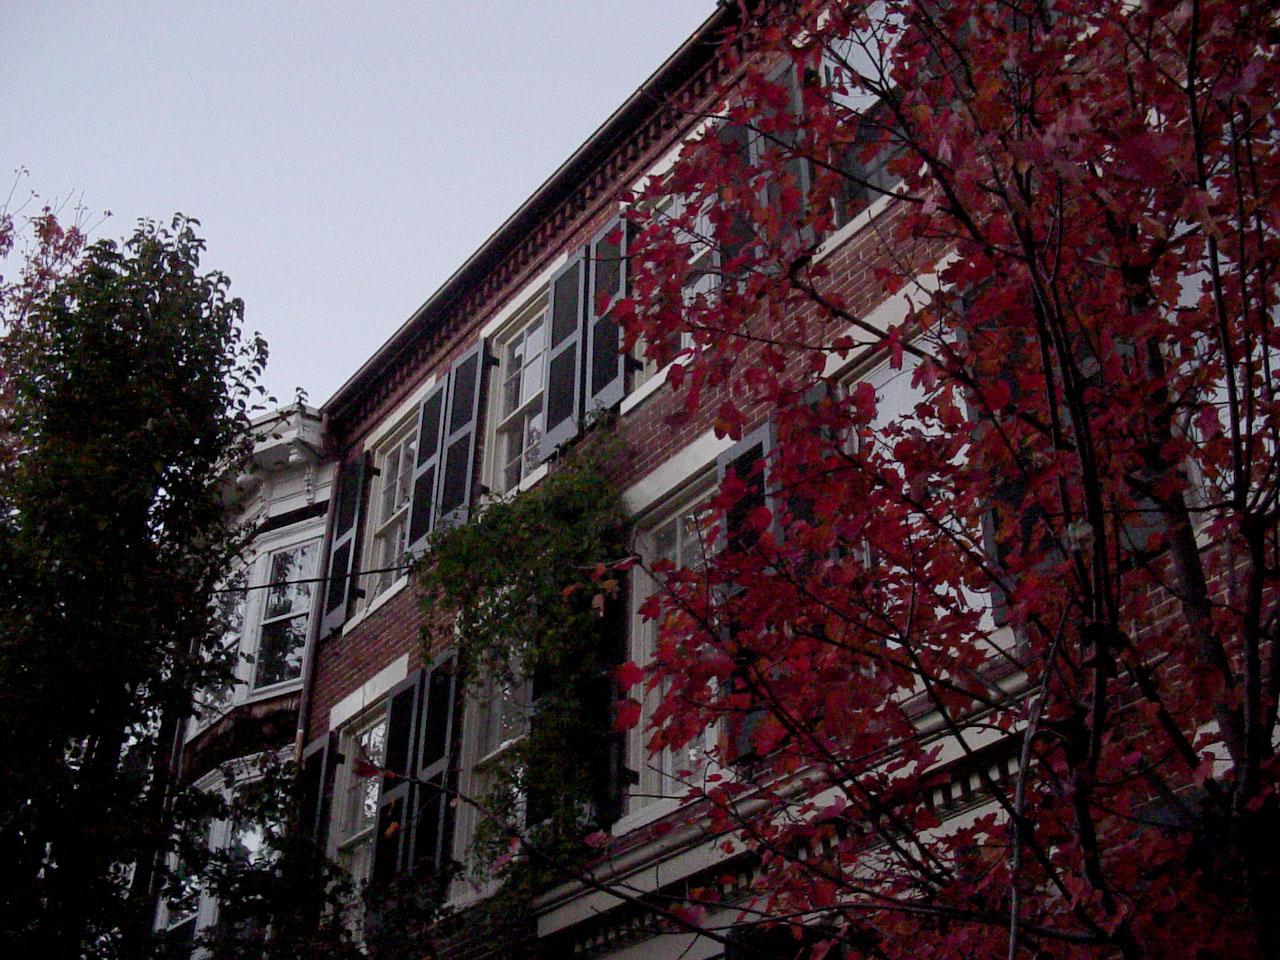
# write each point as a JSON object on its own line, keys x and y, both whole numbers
{"x": 476, "y": 396}
{"x": 483, "y": 395}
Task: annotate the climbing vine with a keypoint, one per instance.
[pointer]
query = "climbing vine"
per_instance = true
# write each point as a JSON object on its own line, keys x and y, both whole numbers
{"x": 530, "y": 594}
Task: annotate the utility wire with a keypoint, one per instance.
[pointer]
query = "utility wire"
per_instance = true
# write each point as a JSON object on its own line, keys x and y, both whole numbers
{"x": 332, "y": 576}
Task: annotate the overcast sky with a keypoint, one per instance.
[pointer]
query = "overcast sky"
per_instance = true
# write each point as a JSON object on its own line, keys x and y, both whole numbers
{"x": 343, "y": 158}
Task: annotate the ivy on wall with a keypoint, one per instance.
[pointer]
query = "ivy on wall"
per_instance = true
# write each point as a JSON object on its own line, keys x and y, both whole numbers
{"x": 531, "y": 589}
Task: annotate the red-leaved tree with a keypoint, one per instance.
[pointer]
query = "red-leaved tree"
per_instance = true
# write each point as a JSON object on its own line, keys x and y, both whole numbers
{"x": 988, "y": 631}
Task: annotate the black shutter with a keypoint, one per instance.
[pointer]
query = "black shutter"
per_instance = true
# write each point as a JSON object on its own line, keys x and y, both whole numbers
{"x": 339, "y": 589}
{"x": 606, "y": 364}
{"x": 613, "y": 775}
{"x": 800, "y": 501}
{"x": 748, "y": 460}
{"x": 564, "y": 346}
{"x": 458, "y": 438}
{"x": 737, "y": 234}
{"x": 391, "y": 836}
{"x": 432, "y": 833}
{"x": 315, "y": 788}
{"x": 796, "y": 165}
{"x": 425, "y": 498}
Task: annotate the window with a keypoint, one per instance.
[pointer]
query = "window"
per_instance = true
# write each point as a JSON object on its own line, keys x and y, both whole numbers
{"x": 519, "y": 401}
{"x": 584, "y": 367}
{"x": 357, "y": 798}
{"x": 423, "y": 482}
{"x": 415, "y": 810}
{"x": 186, "y": 907}
{"x": 231, "y": 604}
{"x": 747, "y": 465}
{"x": 680, "y": 538}
{"x": 287, "y": 611}
{"x": 498, "y": 715}
{"x": 266, "y": 610}
{"x": 501, "y": 710}
{"x": 853, "y": 69}
{"x": 394, "y": 487}
{"x": 864, "y": 164}
{"x": 692, "y": 228}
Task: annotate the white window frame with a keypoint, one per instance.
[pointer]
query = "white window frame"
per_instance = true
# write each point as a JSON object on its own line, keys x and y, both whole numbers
{"x": 354, "y": 810}
{"x": 501, "y": 421}
{"x": 302, "y": 609}
{"x": 244, "y": 640}
{"x": 507, "y": 421}
{"x": 480, "y": 752}
{"x": 659, "y": 779}
{"x": 387, "y": 542}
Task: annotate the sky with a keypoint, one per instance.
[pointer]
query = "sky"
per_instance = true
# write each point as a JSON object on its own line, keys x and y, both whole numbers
{"x": 343, "y": 158}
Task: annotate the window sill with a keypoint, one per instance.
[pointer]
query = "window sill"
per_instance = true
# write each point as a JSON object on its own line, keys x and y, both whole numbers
{"x": 493, "y": 756}
{"x": 376, "y": 603}
{"x": 531, "y": 478}
{"x": 646, "y": 389}
{"x": 653, "y": 810}
{"x": 854, "y": 226}
{"x": 270, "y": 690}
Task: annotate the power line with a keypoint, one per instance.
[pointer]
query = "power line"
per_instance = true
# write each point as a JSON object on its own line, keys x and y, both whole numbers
{"x": 311, "y": 580}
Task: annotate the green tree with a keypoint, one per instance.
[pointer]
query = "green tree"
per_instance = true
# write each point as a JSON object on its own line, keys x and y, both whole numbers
{"x": 127, "y": 385}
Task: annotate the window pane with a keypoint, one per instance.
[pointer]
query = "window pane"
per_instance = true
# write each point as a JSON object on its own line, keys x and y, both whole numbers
{"x": 531, "y": 379}
{"x": 429, "y": 435}
{"x": 288, "y": 567}
{"x": 280, "y": 651}
{"x": 464, "y": 393}
{"x": 564, "y": 305}
{"x": 608, "y": 271}
{"x": 338, "y": 577}
{"x": 361, "y": 800}
{"x": 456, "y": 470}
{"x": 564, "y": 369}
{"x": 604, "y": 366}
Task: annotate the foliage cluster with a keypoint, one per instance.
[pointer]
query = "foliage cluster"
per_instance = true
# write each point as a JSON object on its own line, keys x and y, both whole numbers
{"x": 278, "y": 896}
{"x": 127, "y": 386}
{"x": 1030, "y": 505}
{"x": 530, "y": 589}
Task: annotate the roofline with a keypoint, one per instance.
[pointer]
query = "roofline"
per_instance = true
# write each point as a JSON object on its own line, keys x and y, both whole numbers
{"x": 698, "y": 49}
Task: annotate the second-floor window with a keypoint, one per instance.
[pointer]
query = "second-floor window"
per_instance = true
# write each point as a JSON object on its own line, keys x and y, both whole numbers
{"x": 357, "y": 796}
{"x": 393, "y": 492}
{"x": 286, "y": 612}
{"x": 519, "y": 431}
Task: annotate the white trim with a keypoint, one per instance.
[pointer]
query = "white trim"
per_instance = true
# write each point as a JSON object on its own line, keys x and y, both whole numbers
{"x": 642, "y": 392}
{"x": 397, "y": 417}
{"x": 518, "y": 303}
{"x": 674, "y": 473}
{"x": 530, "y": 478}
{"x": 892, "y": 310}
{"x": 371, "y": 691}
{"x": 396, "y": 586}
{"x": 654, "y": 809}
{"x": 854, "y": 226}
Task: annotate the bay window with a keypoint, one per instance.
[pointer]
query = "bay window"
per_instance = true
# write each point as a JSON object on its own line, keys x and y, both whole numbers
{"x": 286, "y": 613}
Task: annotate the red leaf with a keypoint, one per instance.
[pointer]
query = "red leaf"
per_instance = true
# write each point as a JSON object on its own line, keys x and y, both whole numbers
{"x": 626, "y": 714}
{"x": 760, "y": 518}
{"x": 363, "y": 768}
{"x": 629, "y": 675}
